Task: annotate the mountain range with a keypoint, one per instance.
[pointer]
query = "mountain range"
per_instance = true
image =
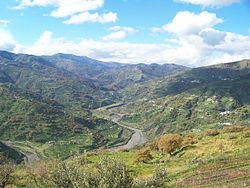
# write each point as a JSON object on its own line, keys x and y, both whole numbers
{"x": 51, "y": 98}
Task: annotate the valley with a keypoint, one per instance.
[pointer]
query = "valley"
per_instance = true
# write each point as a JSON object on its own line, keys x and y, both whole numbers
{"x": 136, "y": 139}
{"x": 66, "y": 108}
{"x": 124, "y": 94}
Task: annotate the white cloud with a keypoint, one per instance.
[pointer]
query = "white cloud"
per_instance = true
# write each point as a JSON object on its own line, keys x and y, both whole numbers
{"x": 77, "y": 11}
{"x": 107, "y": 51}
{"x": 119, "y": 32}
{"x": 69, "y": 8}
{"x": 190, "y": 51}
{"x": 193, "y": 44}
{"x": 7, "y": 41}
{"x": 4, "y": 22}
{"x": 64, "y": 8}
{"x": 119, "y": 28}
{"x": 117, "y": 35}
{"x": 96, "y": 17}
{"x": 186, "y": 23}
{"x": 210, "y": 3}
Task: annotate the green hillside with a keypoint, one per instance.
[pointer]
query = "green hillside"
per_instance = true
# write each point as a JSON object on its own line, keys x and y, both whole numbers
{"x": 208, "y": 97}
{"x": 58, "y": 109}
{"x": 202, "y": 160}
{"x": 51, "y": 98}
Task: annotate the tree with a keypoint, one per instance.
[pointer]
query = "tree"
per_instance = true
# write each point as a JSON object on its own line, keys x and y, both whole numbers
{"x": 6, "y": 169}
{"x": 108, "y": 173}
{"x": 170, "y": 142}
{"x": 113, "y": 173}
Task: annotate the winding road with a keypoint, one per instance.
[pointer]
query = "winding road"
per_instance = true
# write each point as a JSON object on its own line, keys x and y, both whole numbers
{"x": 136, "y": 139}
{"x": 29, "y": 157}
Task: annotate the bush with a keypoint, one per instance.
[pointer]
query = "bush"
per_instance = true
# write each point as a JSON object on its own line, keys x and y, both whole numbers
{"x": 170, "y": 142}
{"x": 156, "y": 181}
{"x": 143, "y": 156}
{"x": 37, "y": 173}
{"x": 6, "y": 170}
{"x": 108, "y": 173}
{"x": 113, "y": 174}
{"x": 211, "y": 132}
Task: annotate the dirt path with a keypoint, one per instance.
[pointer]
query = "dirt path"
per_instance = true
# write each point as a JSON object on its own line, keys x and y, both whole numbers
{"x": 136, "y": 139}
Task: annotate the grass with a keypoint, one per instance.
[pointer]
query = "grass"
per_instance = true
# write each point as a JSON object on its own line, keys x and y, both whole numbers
{"x": 221, "y": 161}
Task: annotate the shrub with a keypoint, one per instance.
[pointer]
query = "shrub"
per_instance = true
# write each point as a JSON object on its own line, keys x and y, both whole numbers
{"x": 143, "y": 156}
{"x": 170, "y": 142}
{"x": 6, "y": 170}
{"x": 155, "y": 181}
{"x": 64, "y": 174}
{"x": 108, "y": 173}
{"x": 211, "y": 132}
{"x": 113, "y": 173}
{"x": 37, "y": 173}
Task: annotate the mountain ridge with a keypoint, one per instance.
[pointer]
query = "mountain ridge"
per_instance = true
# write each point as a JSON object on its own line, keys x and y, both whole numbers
{"x": 159, "y": 98}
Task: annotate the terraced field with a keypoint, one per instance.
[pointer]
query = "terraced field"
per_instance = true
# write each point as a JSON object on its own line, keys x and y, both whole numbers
{"x": 230, "y": 171}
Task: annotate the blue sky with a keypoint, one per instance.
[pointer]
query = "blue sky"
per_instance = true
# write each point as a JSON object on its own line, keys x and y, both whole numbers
{"x": 188, "y": 32}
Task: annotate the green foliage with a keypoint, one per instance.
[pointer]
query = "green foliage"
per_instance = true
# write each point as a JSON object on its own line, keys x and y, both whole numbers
{"x": 71, "y": 176}
{"x": 202, "y": 98}
{"x": 50, "y": 98}
{"x": 156, "y": 181}
{"x": 108, "y": 173}
{"x": 113, "y": 174}
{"x": 202, "y": 164}
{"x": 6, "y": 170}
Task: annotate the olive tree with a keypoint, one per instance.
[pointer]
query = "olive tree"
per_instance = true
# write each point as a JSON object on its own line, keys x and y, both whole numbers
{"x": 6, "y": 170}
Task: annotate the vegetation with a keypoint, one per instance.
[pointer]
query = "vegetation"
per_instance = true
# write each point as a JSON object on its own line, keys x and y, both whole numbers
{"x": 143, "y": 156}
{"x": 199, "y": 163}
{"x": 6, "y": 170}
{"x": 170, "y": 143}
{"x": 211, "y": 132}
{"x": 196, "y": 100}
{"x": 51, "y": 98}
{"x": 54, "y": 112}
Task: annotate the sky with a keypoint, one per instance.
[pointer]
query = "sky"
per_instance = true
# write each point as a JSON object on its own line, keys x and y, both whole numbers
{"x": 187, "y": 32}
